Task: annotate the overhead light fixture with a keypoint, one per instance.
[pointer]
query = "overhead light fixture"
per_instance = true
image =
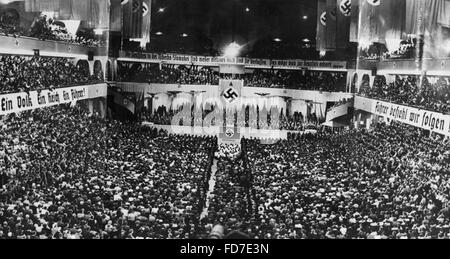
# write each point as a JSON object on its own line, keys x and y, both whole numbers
{"x": 277, "y": 40}
{"x": 306, "y": 40}
{"x": 159, "y": 33}
{"x": 247, "y": 9}
{"x": 184, "y": 35}
{"x": 232, "y": 50}
{"x": 305, "y": 17}
{"x": 161, "y": 10}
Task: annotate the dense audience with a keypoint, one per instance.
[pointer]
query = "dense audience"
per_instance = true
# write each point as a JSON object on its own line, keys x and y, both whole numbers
{"x": 230, "y": 151}
{"x": 45, "y": 28}
{"x": 293, "y": 79}
{"x": 391, "y": 182}
{"x": 409, "y": 91}
{"x": 66, "y": 175}
{"x": 22, "y": 73}
{"x": 231, "y": 203}
{"x": 193, "y": 75}
{"x": 168, "y": 74}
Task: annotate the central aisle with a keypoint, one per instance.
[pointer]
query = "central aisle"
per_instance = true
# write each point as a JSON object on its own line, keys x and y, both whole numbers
{"x": 212, "y": 185}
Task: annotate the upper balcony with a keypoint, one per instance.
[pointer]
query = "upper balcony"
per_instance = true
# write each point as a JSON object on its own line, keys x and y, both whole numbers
{"x": 29, "y": 46}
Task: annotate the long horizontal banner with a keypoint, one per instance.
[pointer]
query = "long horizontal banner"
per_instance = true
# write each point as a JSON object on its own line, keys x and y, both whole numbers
{"x": 433, "y": 121}
{"x": 18, "y": 102}
{"x": 248, "y": 62}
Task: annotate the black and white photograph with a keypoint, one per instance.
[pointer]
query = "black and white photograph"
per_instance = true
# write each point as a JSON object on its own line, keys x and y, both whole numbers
{"x": 216, "y": 120}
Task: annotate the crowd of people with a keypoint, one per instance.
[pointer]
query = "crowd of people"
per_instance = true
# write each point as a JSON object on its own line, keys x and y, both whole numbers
{"x": 194, "y": 75}
{"x": 23, "y": 73}
{"x": 412, "y": 91}
{"x": 226, "y": 150}
{"x": 299, "y": 80}
{"x": 45, "y": 28}
{"x": 67, "y": 175}
{"x": 168, "y": 74}
{"x": 388, "y": 183}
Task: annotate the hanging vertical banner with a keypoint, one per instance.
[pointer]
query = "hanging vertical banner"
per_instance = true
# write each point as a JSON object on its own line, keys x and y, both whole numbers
{"x": 80, "y": 10}
{"x": 368, "y": 24}
{"x": 391, "y": 23}
{"x": 132, "y": 19}
{"x": 415, "y": 16}
{"x": 321, "y": 25}
{"x": 354, "y": 20}
{"x": 146, "y": 23}
{"x": 331, "y": 28}
{"x": 49, "y": 5}
{"x": 99, "y": 14}
{"x": 344, "y": 8}
{"x": 42, "y": 5}
{"x": 65, "y": 9}
{"x": 31, "y": 6}
{"x": 116, "y": 15}
{"x": 444, "y": 14}
{"x": 126, "y": 18}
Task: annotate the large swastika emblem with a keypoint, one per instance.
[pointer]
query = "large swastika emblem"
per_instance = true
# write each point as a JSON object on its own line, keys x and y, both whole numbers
{"x": 230, "y": 95}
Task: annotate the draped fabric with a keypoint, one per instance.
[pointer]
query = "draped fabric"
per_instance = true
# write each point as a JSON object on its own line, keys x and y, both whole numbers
{"x": 65, "y": 9}
{"x": 385, "y": 23}
{"x": 331, "y": 28}
{"x": 41, "y": 5}
{"x": 146, "y": 23}
{"x": 132, "y": 19}
{"x": 380, "y": 21}
{"x": 429, "y": 19}
{"x": 49, "y": 5}
{"x": 116, "y": 16}
{"x": 342, "y": 23}
{"x": 321, "y": 25}
{"x": 180, "y": 99}
{"x": 94, "y": 12}
{"x": 299, "y": 106}
{"x": 354, "y": 21}
{"x": 369, "y": 29}
{"x": 31, "y": 6}
{"x": 392, "y": 22}
{"x": 200, "y": 100}
{"x": 422, "y": 15}
{"x": 99, "y": 10}
{"x": 161, "y": 100}
{"x": 444, "y": 14}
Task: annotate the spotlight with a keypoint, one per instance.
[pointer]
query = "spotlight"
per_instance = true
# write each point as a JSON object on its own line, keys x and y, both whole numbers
{"x": 305, "y": 17}
{"x": 232, "y": 50}
{"x": 184, "y": 35}
{"x": 277, "y": 40}
{"x": 161, "y": 10}
{"x": 159, "y": 33}
{"x": 247, "y": 9}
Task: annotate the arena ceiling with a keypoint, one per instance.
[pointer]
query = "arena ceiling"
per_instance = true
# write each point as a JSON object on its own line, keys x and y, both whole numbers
{"x": 245, "y": 21}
